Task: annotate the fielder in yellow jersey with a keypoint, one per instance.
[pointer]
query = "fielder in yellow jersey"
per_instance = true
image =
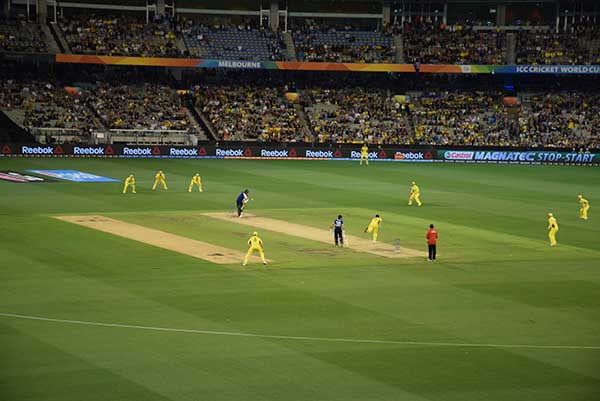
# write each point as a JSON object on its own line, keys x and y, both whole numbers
{"x": 373, "y": 226}
{"x": 415, "y": 194}
{"x": 552, "y": 229}
{"x": 196, "y": 180}
{"x": 255, "y": 244}
{"x": 129, "y": 182}
{"x": 160, "y": 178}
{"x": 364, "y": 154}
{"x": 585, "y": 205}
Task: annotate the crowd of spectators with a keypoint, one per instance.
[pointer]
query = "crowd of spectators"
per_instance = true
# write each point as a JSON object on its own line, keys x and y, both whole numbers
{"x": 564, "y": 119}
{"x": 579, "y": 45}
{"x": 463, "y": 118}
{"x": 245, "y": 112}
{"x": 439, "y": 112}
{"x": 345, "y": 45}
{"x": 355, "y": 115}
{"x": 18, "y": 35}
{"x": 148, "y": 107}
{"x": 435, "y": 43}
{"x": 560, "y": 119}
{"x": 37, "y": 104}
{"x": 121, "y": 36}
{"x": 42, "y": 104}
{"x": 425, "y": 42}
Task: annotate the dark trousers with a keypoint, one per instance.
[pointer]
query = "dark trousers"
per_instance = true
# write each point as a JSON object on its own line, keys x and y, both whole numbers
{"x": 431, "y": 251}
{"x": 240, "y": 208}
{"x": 338, "y": 236}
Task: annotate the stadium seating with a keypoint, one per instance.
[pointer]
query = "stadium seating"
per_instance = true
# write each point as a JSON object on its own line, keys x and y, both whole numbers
{"x": 464, "y": 118}
{"x": 460, "y": 44}
{"x": 341, "y": 46}
{"x": 245, "y": 112}
{"x": 233, "y": 43}
{"x": 150, "y": 106}
{"x": 579, "y": 46}
{"x": 39, "y": 104}
{"x": 560, "y": 119}
{"x": 338, "y": 114}
{"x": 356, "y": 115}
{"x": 21, "y": 36}
{"x": 120, "y": 36}
{"x": 67, "y": 112}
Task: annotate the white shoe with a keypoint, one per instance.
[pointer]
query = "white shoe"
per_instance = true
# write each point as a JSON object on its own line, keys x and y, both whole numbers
{"x": 265, "y": 263}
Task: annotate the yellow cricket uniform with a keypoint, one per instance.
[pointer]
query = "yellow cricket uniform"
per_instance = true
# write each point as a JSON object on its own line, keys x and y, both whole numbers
{"x": 552, "y": 229}
{"x": 585, "y": 205}
{"x": 196, "y": 180}
{"x": 364, "y": 155}
{"x": 129, "y": 182}
{"x": 255, "y": 244}
{"x": 415, "y": 194}
{"x": 160, "y": 178}
{"x": 374, "y": 227}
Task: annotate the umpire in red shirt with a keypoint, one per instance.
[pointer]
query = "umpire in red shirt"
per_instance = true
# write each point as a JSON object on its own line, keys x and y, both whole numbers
{"x": 432, "y": 237}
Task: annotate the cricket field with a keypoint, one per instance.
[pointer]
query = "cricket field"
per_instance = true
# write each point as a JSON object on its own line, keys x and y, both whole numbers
{"x": 106, "y": 296}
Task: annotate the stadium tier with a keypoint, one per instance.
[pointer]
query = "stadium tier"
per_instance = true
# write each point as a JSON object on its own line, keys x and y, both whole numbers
{"x": 78, "y": 102}
{"x": 430, "y": 112}
{"x": 421, "y": 39}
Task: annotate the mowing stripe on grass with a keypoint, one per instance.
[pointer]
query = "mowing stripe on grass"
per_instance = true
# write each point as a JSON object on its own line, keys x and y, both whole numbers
{"x": 316, "y": 234}
{"x": 300, "y": 338}
{"x": 158, "y": 238}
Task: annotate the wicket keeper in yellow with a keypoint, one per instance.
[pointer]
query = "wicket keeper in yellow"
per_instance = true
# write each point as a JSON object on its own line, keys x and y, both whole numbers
{"x": 255, "y": 244}
{"x": 160, "y": 178}
{"x": 364, "y": 154}
{"x": 585, "y": 205}
{"x": 552, "y": 229}
{"x": 373, "y": 227}
{"x": 129, "y": 182}
{"x": 196, "y": 180}
{"x": 415, "y": 194}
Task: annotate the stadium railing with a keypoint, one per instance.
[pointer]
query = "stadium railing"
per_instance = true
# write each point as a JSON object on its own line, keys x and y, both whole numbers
{"x": 151, "y": 137}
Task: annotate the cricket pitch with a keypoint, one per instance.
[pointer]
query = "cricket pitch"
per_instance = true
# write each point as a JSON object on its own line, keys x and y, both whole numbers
{"x": 316, "y": 234}
{"x": 160, "y": 239}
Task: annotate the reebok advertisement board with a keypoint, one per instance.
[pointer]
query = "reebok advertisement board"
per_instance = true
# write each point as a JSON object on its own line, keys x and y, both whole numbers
{"x": 302, "y": 151}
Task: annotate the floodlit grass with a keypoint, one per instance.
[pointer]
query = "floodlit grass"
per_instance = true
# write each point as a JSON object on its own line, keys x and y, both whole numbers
{"x": 497, "y": 282}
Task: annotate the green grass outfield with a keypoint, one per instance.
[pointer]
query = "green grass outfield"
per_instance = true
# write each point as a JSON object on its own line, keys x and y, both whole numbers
{"x": 500, "y": 316}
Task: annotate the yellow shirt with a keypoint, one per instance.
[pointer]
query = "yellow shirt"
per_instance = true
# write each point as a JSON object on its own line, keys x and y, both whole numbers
{"x": 196, "y": 179}
{"x": 375, "y": 221}
{"x": 255, "y": 242}
{"x": 160, "y": 176}
{"x": 414, "y": 189}
{"x": 552, "y": 223}
{"x": 583, "y": 202}
{"x": 129, "y": 180}
{"x": 364, "y": 150}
